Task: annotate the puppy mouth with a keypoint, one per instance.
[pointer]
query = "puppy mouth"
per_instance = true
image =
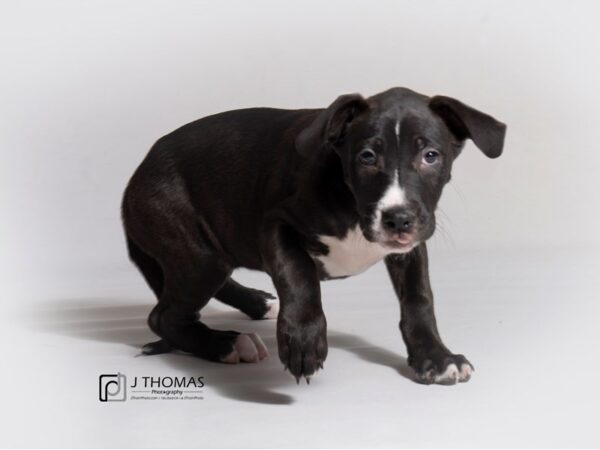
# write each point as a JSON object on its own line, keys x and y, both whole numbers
{"x": 400, "y": 241}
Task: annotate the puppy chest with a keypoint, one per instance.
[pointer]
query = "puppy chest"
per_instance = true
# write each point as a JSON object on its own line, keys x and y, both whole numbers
{"x": 349, "y": 256}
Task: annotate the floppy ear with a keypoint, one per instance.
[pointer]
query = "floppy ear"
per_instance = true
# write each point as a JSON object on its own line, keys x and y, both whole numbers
{"x": 330, "y": 125}
{"x": 465, "y": 122}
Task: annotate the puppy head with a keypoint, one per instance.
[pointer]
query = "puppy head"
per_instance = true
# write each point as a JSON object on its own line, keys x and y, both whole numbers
{"x": 396, "y": 150}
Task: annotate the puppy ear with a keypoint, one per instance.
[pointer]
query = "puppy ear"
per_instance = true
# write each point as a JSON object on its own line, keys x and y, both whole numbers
{"x": 330, "y": 125}
{"x": 465, "y": 122}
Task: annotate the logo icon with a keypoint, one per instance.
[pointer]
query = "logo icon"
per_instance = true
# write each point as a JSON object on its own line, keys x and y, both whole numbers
{"x": 113, "y": 387}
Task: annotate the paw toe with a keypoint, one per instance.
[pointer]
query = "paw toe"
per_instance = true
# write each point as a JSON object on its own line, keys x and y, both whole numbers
{"x": 246, "y": 348}
{"x": 261, "y": 348}
{"x": 449, "y": 376}
{"x": 466, "y": 370}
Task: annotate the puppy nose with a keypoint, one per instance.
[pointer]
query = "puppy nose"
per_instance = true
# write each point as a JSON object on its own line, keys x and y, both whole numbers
{"x": 398, "y": 220}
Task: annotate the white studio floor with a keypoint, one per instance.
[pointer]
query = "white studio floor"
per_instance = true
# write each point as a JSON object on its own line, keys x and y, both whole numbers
{"x": 527, "y": 320}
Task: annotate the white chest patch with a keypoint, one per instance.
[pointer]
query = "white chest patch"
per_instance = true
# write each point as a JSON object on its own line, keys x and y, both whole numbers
{"x": 351, "y": 255}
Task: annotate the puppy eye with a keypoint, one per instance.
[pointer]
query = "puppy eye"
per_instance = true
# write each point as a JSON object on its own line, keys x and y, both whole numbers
{"x": 430, "y": 157}
{"x": 367, "y": 157}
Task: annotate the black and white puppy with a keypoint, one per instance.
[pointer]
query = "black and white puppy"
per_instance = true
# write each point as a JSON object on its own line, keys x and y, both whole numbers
{"x": 304, "y": 195}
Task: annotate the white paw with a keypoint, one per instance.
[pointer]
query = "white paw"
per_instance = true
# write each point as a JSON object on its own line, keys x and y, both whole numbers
{"x": 247, "y": 348}
{"x": 453, "y": 375}
{"x": 273, "y": 310}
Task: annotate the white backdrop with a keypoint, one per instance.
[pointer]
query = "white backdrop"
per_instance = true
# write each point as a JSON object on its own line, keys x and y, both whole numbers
{"x": 87, "y": 87}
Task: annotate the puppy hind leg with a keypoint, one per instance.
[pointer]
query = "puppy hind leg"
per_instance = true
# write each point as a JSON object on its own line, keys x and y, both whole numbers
{"x": 255, "y": 303}
{"x": 176, "y": 318}
{"x": 148, "y": 266}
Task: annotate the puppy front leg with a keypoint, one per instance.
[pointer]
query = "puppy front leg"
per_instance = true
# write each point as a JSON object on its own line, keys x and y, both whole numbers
{"x": 301, "y": 324}
{"x": 427, "y": 354}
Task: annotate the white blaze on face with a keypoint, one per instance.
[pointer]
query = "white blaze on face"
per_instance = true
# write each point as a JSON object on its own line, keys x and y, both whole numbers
{"x": 393, "y": 197}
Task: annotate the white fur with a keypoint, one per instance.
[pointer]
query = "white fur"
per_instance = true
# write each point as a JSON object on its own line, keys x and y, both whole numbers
{"x": 247, "y": 348}
{"x": 352, "y": 254}
{"x": 273, "y": 310}
{"x": 450, "y": 374}
{"x": 453, "y": 375}
{"x": 393, "y": 197}
{"x": 466, "y": 370}
{"x": 260, "y": 346}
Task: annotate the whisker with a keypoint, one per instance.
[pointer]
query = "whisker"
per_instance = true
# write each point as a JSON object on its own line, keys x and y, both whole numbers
{"x": 458, "y": 191}
{"x": 444, "y": 234}
{"x": 445, "y": 216}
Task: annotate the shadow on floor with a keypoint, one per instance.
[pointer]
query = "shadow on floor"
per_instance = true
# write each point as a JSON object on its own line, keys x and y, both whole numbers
{"x": 124, "y": 321}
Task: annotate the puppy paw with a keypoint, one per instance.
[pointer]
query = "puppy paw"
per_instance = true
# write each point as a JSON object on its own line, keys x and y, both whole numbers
{"x": 302, "y": 347}
{"x": 246, "y": 348}
{"x": 447, "y": 369}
